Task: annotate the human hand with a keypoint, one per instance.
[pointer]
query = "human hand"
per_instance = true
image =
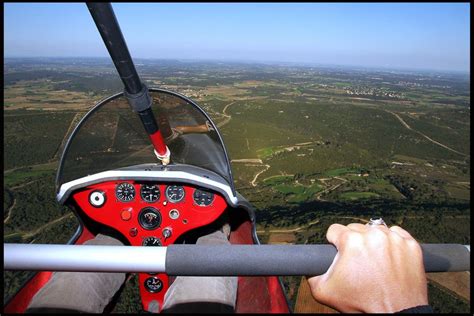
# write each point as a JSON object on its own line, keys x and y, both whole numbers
{"x": 376, "y": 270}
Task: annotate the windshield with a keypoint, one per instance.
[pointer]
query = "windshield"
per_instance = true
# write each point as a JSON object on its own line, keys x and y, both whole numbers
{"x": 112, "y": 136}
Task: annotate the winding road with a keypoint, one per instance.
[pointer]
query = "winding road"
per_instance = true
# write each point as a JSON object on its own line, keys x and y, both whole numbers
{"x": 227, "y": 116}
{"x": 14, "y": 200}
{"x": 254, "y": 181}
{"x": 334, "y": 187}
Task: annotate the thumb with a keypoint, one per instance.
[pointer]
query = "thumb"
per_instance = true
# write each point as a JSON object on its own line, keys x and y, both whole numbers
{"x": 316, "y": 284}
{"x": 319, "y": 284}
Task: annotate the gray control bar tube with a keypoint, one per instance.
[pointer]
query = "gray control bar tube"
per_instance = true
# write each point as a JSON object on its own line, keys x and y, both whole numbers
{"x": 201, "y": 260}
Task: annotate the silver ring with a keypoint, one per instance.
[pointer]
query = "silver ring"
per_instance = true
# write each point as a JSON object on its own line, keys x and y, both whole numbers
{"x": 376, "y": 222}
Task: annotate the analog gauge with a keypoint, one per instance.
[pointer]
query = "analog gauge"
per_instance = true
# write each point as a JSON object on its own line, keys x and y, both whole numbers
{"x": 125, "y": 192}
{"x": 149, "y": 218}
{"x": 150, "y": 192}
{"x": 151, "y": 241}
{"x": 174, "y": 193}
{"x": 153, "y": 284}
{"x": 203, "y": 198}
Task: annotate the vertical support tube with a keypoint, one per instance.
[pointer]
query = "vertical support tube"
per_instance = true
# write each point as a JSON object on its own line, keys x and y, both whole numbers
{"x": 135, "y": 91}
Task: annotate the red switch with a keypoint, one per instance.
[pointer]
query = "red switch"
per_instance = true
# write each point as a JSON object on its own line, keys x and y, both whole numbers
{"x": 126, "y": 214}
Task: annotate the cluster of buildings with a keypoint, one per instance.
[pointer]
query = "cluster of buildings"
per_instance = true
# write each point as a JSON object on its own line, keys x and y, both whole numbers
{"x": 373, "y": 92}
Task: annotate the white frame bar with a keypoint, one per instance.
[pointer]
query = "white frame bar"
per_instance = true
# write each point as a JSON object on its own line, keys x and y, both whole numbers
{"x": 84, "y": 258}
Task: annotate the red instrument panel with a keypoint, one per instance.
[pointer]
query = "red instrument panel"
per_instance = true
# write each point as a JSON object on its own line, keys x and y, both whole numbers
{"x": 150, "y": 213}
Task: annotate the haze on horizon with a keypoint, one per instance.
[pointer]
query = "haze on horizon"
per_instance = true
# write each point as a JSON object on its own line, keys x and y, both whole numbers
{"x": 431, "y": 36}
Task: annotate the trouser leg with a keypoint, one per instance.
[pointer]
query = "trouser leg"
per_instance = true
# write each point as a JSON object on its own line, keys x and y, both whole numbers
{"x": 86, "y": 292}
{"x": 203, "y": 294}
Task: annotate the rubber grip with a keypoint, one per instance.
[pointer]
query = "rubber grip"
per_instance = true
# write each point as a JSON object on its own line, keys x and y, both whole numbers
{"x": 446, "y": 257}
{"x": 252, "y": 260}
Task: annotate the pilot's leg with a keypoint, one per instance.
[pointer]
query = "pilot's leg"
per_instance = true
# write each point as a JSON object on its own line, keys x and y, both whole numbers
{"x": 87, "y": 292}
{"x": 203, "y": 294}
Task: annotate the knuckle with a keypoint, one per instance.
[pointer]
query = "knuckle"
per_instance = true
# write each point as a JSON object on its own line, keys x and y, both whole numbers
{"x": 414, "y": 245}
{"x": 333, "y": 229}
{"x": 396, "y": 238}
{"x": 353, "y": 225}
{"x": 395, "y": 228}
{"x": 377, "y": 237}
{"x": 353, "y": 238}
{"x": 377, "y": 233}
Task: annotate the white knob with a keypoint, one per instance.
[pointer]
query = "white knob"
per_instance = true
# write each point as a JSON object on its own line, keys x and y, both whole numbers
{"x": 97, "y": 198}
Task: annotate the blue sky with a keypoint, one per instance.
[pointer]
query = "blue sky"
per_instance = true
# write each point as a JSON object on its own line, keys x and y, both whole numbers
{"x": 395, "y": 35}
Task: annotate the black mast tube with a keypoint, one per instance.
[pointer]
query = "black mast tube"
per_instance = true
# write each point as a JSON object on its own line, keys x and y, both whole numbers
{"x": 135, "y": 91}
{"x": 109, "y": 29}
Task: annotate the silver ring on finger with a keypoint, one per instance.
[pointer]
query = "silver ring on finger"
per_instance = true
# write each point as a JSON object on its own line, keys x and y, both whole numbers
{"x": 376, "y": 222}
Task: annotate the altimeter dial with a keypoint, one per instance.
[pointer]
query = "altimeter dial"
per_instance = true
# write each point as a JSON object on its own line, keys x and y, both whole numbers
{"x": 125, "y": 192}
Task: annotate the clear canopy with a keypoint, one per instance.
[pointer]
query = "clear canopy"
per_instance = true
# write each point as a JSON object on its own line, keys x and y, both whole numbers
{"x": 112, "y": 136}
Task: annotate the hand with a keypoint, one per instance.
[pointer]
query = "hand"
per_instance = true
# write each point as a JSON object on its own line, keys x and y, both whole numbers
{"x": 376, "y": 270}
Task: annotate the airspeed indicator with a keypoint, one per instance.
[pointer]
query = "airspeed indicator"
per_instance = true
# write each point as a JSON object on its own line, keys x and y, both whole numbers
{"x": 203, "y": 198}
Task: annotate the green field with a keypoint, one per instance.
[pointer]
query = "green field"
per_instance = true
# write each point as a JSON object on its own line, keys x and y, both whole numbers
{"x": 358, "y": 195}
{"x": 341, "y": 171}
{"x": 27, "y": 174}
{"x": 31, "y": 137}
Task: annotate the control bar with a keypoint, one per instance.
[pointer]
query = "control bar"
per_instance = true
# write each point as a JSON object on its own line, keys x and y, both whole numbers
{"x": 205, "y": 260}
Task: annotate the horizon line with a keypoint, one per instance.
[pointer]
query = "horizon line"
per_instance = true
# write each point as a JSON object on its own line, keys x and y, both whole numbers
{"x": 268, "y": 62}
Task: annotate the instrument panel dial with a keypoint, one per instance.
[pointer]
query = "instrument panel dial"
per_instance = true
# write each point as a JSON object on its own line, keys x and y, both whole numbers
{"x": 174, "y": 193}
{"x": 203, "y": 197}
{"x": 153, "y": 284}
{"x": 151, "y": 241}
{"x": 149, "y": 218}
{"x": 125, "y": 192}
{"x": 150, "y": 192}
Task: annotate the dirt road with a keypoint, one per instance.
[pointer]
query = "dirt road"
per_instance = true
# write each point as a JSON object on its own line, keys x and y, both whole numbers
{"x": 254, "y": 181}
{"x": 293, "y": 230}
{"x": 428, "y": 138}
{"x": 227, "y": 116}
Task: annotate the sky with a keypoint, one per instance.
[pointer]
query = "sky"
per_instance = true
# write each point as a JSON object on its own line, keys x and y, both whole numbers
{"x": 432, "y": 36}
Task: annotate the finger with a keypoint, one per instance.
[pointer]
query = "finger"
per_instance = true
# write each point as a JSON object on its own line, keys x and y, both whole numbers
{"x": 334, "y": 232}
{"x": 400, "y": 231}
{"x": 361, "y": 228}
{"x": 316, "y": 284}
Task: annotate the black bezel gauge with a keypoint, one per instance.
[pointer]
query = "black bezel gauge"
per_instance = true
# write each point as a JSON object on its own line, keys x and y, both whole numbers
{"x": 203, "y": 197}
{"x": 150, "y": 192}
{"x": 153, "y": 284}
{"x": 125, "y": 192}
{"x": 175, "y": 193}
{"x": 151, "y": 242}
{"x": 149, "y": 218}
